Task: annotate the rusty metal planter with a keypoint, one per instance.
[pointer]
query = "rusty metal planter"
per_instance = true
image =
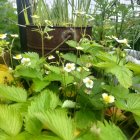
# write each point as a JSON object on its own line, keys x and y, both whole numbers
{"x": 60, "y": 35}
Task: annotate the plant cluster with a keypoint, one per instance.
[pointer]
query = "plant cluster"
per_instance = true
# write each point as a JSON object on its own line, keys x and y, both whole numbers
{"x": 60, "y": 13}
{"x": 92, "y": 93}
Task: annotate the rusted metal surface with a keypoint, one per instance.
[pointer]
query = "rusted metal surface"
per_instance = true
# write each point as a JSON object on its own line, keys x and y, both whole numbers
{"x": 60, "y": 35}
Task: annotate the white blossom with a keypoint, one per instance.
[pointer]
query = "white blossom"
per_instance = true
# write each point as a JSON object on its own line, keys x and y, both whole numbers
{"x": 69, "y": 67}
{"x": 17, "y": 57}
{"x": 108, "y": 98}
{"x": 88, "y": 82}
{"x": 26, "y": 61}
{"x": 68, "y": 104}
{"x": 122, "y": 41}
{"x": 51, "y": 57}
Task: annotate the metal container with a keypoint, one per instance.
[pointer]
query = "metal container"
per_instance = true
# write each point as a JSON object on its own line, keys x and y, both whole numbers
{"x": 60, "y": 36}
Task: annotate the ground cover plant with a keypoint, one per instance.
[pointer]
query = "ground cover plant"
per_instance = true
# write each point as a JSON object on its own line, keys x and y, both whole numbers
{"x": 89, "y": 94}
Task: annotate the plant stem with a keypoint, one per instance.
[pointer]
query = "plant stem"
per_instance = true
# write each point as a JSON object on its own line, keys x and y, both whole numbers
{"x": 134, "y": 135}
{"x": 58, "y": 46}
{"x": 42, "y": 42}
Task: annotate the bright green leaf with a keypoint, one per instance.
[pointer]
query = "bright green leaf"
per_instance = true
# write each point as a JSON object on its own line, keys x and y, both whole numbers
{"x": 13, "y": 93}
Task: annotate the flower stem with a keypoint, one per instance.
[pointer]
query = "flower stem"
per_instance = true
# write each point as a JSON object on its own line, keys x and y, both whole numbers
{"x": 136, "y": 132}
{"x": 42, "y": 42}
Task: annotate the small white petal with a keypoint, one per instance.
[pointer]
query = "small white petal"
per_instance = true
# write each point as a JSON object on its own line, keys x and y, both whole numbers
{"x": 68, "y": 104}
{"x": 51, "y": 57}
{"x": 26, "y": 61}
{"x": 88, "y": 82}
{"x": 112, "y": 99}
{"x": 18, "y": 56}
{"x": 69, "y": 67}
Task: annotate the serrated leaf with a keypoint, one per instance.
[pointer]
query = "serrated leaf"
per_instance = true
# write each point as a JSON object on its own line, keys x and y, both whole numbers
{"x": 27, "y": 72}
{"x": 132, "y": 103}
{"x": 32, "y": 125}
{"x": 137, "y": 119}
{"x": 58, "y": 122}
{"x": 16, "y": 94}
{"x": 72, "y": 58}
{"x": 38, "y": 84}
{"x": 10, "y": 120}
{"x": 109, "y": 131}
{"x": 72, "y": 43}
{"x": 134, "y": 67}
{"x": 123, "y": 74}
{"x": 117, "y": 91}
{"x": 46, "y": 100}
{"x": 84, "y": 119}
{"x": 54, "y": 69}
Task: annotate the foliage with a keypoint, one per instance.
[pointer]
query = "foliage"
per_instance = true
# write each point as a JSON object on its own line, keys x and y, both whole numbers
{"x": 90, "y": 93}
{"x": 60, "y": 13}
{"x": 8, "y": 17}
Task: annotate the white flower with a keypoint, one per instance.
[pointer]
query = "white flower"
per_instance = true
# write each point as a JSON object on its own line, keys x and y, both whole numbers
{"x": 51, "y": 57}
{"x": 68, "y": 104}
{"x": 14, "y": 35}
{"x": 26, "y": 61}
{"x": 69, "y": 67}
{"x": 108, "y": 98}
{"x": 3, "y": 36}
{"x": 122, "y": 41}
{"x": 88, "y": 82}
{"x": 17, "y": 57}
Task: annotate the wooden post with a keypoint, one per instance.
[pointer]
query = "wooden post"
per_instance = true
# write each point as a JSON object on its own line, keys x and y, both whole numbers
{"x": 21, "y": 21}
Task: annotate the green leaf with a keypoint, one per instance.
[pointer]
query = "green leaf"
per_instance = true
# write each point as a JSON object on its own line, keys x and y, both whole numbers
{"x": 72, "y": 58}
{"x": 72, "y": 43}
{"x": 32, "y": 124}
{"x": 27, "y": 72}
{"x": 132, "y": 103}
{"x": 123, "y": 74}
{"x": 10, "y": 120}
{"x": 84, "y": 119}
{"x": 38, "y": 84}
{"x": 54, "y": 69}
{"x": 136, "y": 83}
{"x": 16, "y": 94}
{"x": 109, "y": 131}
{"x": 46, "y": 100}
{"x": 22, "y": 108}
{"x": 137, "y": 119}
{"x": 134, "y": 67}
{"x": 58, "y": 122}
{"x": 117, "y": 91}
